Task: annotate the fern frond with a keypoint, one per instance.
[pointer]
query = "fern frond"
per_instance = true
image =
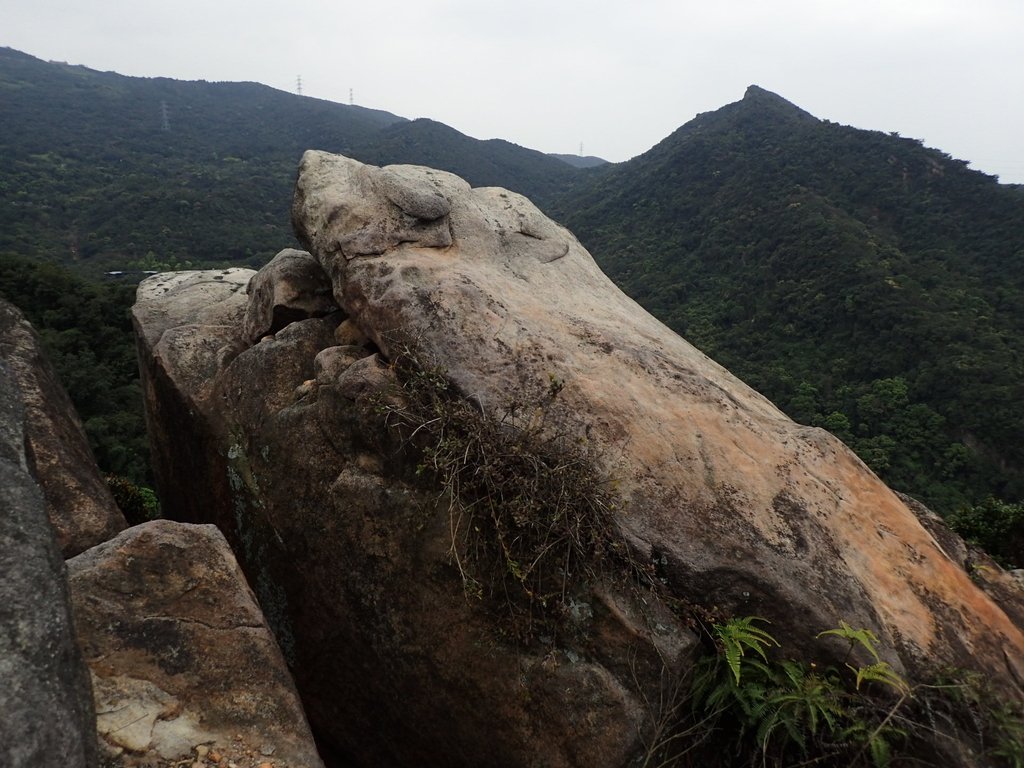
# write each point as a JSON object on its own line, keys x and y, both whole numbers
{"x": 733, "y": 654}
{"x": 881, "y": 753}
{"x": 877, "y": 740}
{"x": 880, "y": 672}
{"x": 738, "y": 636}
{"x": 795, "y": 673}
{"x": 863, "y": 637}
{"x": 770, "y": 717}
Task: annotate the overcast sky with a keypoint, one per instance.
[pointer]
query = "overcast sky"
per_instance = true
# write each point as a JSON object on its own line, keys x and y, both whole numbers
{"x": 550, "y": 74}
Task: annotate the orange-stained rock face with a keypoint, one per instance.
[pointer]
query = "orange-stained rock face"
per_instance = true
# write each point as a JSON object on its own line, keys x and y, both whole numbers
{"x": 751, "y": 512}
{"x": 350, "y": 564}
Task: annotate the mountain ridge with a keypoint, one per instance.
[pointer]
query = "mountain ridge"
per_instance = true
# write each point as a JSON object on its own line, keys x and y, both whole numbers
{"x": 757, "y": 228}
{"x": 865, "y": 283}
{"x": 111, "y": 172}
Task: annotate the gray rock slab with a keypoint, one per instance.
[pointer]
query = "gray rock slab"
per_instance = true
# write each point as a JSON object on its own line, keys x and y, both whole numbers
{"x": 180, "y": 653}
{"x": 46, "y": 707}
{"x": 78, "y": 502}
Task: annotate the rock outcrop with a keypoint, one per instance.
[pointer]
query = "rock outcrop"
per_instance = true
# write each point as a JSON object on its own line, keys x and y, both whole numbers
{"x": 291, "y": 287}
{"x": 46, "y": 707}
{"x": 733, "y": 506}
{"x": 180, "y": 654}
{"x": 1005, "y": 588}
{"x": 752, "y": 512}
{"x": 79, "y": 505}
{"x": 183, "y": 663}
{"x": 184, "y": 334}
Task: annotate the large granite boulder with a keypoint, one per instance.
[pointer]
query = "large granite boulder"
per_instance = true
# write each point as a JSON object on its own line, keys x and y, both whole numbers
{"x": 181, "y": 657}
{"x": 309, "y": 464}
{"x": 78, "y": 502}
{"x": 752, "y": 512}
{"x": 46, "y": 707}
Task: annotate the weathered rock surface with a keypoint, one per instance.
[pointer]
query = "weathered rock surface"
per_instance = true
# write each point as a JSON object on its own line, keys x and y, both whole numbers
{"x": 78, "y": 503}
{"x": 742, "y": 510}
{"x": 187, "y": 325}
{"x": 351, "y": 565}
{"x": 1005, "y": 588}
{"x": 753, "y": 513}
{"x": 180, "y": 653}
{"x": 291, "y": 287}
{"x": 46, "y": 708}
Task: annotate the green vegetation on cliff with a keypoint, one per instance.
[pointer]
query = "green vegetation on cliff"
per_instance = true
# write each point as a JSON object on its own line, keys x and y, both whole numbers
{"x": 749, "y": 705}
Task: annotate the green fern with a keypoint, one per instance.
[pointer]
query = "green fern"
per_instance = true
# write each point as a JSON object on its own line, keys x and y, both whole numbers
{"x": 880, "y": 672}
{"x": 716, "y": 692}
{"x": 739, "y": 635}
{"x": 1008, "y": 728}
{"x": 876, "y": 740}
{"x": 800, "y": 705}
{"x": 881, "y": 752}
{"x": 863, "y": 637}
{"x": 779, "y": 713}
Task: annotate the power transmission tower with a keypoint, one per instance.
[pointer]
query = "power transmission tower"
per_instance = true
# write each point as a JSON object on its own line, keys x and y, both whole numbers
{"x": 351, "y": 97}
{"x": 165, "y": 122}
{"x": 298, "y": 85}
{"x": 581, "y": 149}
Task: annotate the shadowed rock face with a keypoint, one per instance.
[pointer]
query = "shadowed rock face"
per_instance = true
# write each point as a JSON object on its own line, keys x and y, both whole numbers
{"x": 78, "y": 503}
{"x": 46, "y": 707}
{"x": 744, "y": 511}
{"x": 180, "y": 653}
{"x": 191, "y": 323}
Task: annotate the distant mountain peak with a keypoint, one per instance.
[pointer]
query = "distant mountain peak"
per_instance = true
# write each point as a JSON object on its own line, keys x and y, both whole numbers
{"x": 755, "y": 95}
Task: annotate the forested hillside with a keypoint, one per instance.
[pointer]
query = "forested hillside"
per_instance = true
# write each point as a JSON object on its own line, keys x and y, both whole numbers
{"x": 863, "y": 282}
{"x": 109, "y": 172}
{"x": 85, "y": 328}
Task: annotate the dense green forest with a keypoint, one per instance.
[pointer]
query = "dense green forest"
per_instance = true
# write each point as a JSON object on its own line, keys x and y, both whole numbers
{"x": 89, "y": 177}
{"x": 106, "y": 172}
{"x": 87, "y": 333}
{"x": 863, "y": 282}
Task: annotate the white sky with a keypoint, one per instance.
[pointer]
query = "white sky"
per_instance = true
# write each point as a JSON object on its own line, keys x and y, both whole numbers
{"x": 550, "y": 74}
